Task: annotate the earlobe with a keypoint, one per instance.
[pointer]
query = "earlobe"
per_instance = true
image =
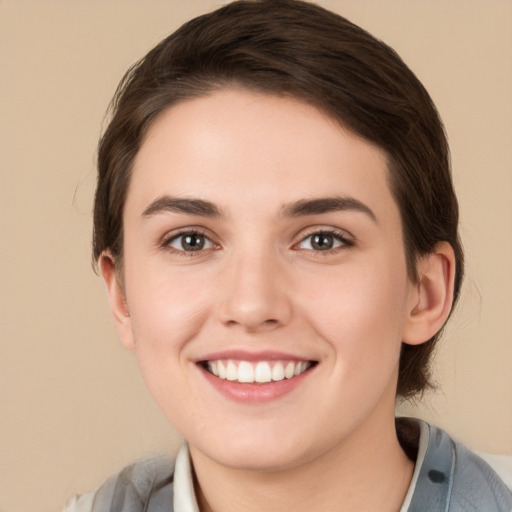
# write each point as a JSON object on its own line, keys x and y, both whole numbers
{"x": 117, "y": 300}
{"x": 432, "y": 296}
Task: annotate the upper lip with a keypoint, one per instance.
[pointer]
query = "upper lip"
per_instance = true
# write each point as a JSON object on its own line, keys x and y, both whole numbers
{"x": 252, "y": 356}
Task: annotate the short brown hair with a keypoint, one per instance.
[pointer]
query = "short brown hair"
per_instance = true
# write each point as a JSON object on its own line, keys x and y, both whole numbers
{"x": 290, "y": 47}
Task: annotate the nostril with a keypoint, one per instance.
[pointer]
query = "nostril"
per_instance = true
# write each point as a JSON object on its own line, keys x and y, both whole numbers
{"x": 265, "y": 325}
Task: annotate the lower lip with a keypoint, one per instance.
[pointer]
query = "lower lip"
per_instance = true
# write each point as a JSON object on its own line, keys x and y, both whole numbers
{"x": 255, "y": 393}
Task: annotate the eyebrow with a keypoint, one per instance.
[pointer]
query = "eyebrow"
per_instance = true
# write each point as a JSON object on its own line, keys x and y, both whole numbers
{"x": 300, "y": 208}
{"x": 182, "y": 205}
{"x": 321, "y": 205}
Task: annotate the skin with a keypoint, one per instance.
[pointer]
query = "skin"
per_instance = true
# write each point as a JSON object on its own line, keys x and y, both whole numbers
{"x": 260, "y": 285}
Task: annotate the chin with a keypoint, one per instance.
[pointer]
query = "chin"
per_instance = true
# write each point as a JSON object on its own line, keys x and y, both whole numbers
{"x": 259, "y": 461}
{"x": 262, "y": 452}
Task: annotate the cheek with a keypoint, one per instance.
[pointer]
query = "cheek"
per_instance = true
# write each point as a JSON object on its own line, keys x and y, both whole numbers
{"x": 163, "y": 302}
{"x": 166, "y": 314}
{"x": 361, "y": 312}
{"x": 169, "y": 311}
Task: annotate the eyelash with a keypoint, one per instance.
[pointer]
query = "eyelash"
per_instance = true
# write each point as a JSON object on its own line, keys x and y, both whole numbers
{"x": 166, "y": 242}
{"x": 339, "y": 236}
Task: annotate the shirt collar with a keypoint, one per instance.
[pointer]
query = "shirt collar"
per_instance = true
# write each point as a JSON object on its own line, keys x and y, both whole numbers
{"x": 422, "y": 450}
{"x": 184, "y": 495}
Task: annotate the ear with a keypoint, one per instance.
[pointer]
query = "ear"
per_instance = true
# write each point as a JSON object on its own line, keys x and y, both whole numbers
{"x": 431, "y": 297}
{"x": 117, "y": 300}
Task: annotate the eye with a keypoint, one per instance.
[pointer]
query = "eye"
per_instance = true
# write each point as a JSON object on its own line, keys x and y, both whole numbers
{"x": 190, "y": 242}
{"x": 323, "y": 241}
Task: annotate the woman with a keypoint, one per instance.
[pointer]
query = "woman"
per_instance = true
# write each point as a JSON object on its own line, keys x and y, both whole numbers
{"x": 277, "y": 228}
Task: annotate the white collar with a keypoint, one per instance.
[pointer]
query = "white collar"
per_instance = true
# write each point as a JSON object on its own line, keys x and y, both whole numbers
{"x": 184, "y": 496}
{"x": 422, "y": 450}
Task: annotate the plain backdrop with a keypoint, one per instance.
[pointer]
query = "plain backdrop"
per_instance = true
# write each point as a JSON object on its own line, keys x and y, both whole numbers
{"x": 73, "y": 407}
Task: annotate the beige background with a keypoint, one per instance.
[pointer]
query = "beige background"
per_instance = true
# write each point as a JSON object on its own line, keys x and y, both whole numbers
{"x": 73, "y": 408}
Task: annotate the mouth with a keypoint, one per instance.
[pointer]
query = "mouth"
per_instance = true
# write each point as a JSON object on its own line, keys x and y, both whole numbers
{"x": 256, "y": 372}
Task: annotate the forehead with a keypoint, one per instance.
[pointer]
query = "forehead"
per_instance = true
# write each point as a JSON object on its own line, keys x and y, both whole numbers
{"x": 240, "y": 147}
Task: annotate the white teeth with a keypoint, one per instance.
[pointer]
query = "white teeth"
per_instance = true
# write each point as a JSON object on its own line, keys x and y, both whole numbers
{"x": 231, "y": 371}
{"x": 261, "y": 372}
{"x": 299, "y": 368}
{"x": 289, "y": 371}
{"x": 213, "y": 368}
{"x": 278, "y": 372}
{"x": 222, "y": 370}
{"x": 245, "y": 372}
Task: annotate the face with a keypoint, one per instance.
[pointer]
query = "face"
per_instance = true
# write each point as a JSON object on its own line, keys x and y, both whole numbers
{"x": 265, "y": 279}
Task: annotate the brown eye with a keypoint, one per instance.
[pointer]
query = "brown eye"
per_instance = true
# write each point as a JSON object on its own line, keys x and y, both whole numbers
{"x": 323, "y": 241}
{"x": 190, "y": 242}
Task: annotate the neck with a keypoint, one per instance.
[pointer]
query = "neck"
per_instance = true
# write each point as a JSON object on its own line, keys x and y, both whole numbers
{"x": 368, "y": 471}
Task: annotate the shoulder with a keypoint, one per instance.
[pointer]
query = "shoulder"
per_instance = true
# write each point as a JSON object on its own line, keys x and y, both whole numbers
{"x": 454, "y": 478}
{"x": 501, "y": 464}
{"x": 146, "y": 485}
{"x": 482, "y": 482}
{"x": 81, "y": 503}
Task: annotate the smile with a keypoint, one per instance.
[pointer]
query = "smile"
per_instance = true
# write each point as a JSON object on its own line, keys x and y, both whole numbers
{"x": 259, "y": 372}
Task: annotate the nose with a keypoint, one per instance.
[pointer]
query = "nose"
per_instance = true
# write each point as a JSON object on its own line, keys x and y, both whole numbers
{"x": 255, "y": 295}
